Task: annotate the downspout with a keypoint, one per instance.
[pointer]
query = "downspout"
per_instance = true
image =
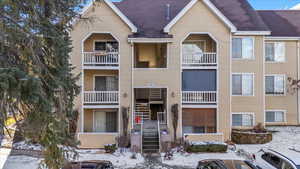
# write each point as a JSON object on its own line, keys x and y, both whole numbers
{"x": 298, "y": 77}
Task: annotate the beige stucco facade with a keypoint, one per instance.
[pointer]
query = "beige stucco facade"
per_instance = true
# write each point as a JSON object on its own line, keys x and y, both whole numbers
{"x": 109, "y": 26}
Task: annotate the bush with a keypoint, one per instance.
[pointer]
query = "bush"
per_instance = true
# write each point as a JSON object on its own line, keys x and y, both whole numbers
{"x": 212, "y": 148}
{"x": 110, "y": 148}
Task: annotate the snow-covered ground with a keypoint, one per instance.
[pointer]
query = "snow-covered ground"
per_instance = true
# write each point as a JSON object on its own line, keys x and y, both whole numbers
{"x": 287, "y": 137}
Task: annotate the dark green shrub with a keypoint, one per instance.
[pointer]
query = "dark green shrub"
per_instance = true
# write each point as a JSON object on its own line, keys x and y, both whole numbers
{"x": 110, "y": 148}
{"x": 211, "y": 148}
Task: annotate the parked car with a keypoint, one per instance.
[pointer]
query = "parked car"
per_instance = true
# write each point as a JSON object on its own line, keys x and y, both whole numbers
{"x": 97, "y": 164}
{"x": 283, "y": 159}
{"x": 226, "y": 164}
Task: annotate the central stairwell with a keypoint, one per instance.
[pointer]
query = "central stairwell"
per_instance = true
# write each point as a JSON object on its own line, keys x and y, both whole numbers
{"x": 150, "y": 137}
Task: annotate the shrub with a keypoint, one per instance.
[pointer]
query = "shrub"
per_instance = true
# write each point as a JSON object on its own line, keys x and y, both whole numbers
{"x": 209, "y": 147}
{"x": 110, "y": 148}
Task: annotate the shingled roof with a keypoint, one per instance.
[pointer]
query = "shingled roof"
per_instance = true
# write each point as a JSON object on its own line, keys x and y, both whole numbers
{"x": 282, "y": 23}
{"x": 150, "y": 15}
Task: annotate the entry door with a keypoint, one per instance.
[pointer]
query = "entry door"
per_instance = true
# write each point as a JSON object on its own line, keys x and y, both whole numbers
{"x": 99, "y": 121}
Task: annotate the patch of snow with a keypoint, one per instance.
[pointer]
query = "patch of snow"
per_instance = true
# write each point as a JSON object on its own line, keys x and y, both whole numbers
{"x": 206, "y": 143}
{"x": 27, "y": 146}
{"x": 21, "y": 162}
{"x": 118, "y": 159}
{"x": 191, "y": 160}
{"x": 4, "y": 154}
{"x": 283, "y": 139}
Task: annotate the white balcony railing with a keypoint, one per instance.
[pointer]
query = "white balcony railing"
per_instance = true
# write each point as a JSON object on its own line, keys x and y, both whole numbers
{"x": 204, "y": 97}
{"x": 101, "y": 97}
{"x": 100, "y": 58}
{"x": 200, "y": 59}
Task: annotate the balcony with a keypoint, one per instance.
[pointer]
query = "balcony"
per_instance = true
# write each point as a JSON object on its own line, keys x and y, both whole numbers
{"x": 101, "y": 97}
{"x": 100, "y": 51}
{"x": 199, "y": 97}
{"x": 101, "y": 60}
{"x": 198, "y": 51}
{"x": 200, "y": 59}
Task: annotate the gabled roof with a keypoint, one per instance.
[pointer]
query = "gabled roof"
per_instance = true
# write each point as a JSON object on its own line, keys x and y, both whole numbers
{"x": 150, "y": 15}
{"x": 282, "y": 23}
{"x": 116, "y": 10}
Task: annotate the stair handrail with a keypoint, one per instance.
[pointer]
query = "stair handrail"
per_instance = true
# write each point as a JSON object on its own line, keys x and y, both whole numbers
{"x": 142, "y": 122}
{"x": 158, "y": 128}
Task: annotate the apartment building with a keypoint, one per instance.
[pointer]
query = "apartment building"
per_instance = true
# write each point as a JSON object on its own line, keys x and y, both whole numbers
{"x": 224, "y": 64}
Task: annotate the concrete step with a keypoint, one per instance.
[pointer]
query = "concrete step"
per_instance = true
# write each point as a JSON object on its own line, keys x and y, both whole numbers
{"x": 151, "y": 147}
{"x": 151, "y": 151}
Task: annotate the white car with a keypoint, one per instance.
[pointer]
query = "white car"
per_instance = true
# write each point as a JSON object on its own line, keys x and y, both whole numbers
{"x": 272, "y": 159}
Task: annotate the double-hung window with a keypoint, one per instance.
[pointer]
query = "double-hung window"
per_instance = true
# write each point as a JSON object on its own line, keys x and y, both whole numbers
{"x": 275, "y": 52}
{"x": 243, "y": 48}
{"x": 275, "y": 84}
{"x": 242, "y": 84}
{"x": 242, "y": 119}
{"x": 274, "y": 116}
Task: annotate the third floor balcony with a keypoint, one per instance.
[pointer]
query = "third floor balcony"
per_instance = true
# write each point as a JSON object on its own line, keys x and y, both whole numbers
{"x": 198, "y": 51}
{"x": 101, "y": 51}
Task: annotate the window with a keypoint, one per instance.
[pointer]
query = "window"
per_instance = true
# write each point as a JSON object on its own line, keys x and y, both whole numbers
{"x": 105, "y": 122}
{"x": 275, "y": 52}
{"x": 242, "y": 119}
{"x": 106, "y": 83}
{"x": 242, "y": 84}
{"x": 107, "y": 46}
{"x": 199, "y": 121}
{"x": 243, "y": 48}
{"x": 275, "y": 84}
{"x": 274, "y": 116}
{"x": 192, "y": 80}
{"x": 272, "y": 159}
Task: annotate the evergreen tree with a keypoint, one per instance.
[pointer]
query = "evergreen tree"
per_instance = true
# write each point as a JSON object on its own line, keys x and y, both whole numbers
{"x": 36, "y": 80}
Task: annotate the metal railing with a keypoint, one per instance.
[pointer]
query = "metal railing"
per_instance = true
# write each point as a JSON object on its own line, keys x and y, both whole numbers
{"x": 199, "y": 97}
{"x": 101, "y": 58}
{"x": 107, "y": 97}
{"x": 200, "y": 59}
{"x": 162, "y": 117}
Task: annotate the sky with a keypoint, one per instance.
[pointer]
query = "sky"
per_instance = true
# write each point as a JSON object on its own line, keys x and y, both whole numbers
{"x": 273, "y": 4}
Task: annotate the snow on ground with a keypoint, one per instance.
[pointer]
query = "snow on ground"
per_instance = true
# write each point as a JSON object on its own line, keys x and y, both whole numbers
{"x": 285, "y": 138}
{"x": 191, "y": 160}
{"x": 21, "y": 162}
{"x": 4, "y": 153}
{"x": 119, "y": 160}
{"x": 23, "y": 145}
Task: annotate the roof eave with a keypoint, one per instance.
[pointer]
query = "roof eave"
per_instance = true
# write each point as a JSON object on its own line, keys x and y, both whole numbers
{"x": 190, "y": 5}
{"x": 115, "y": 9}
{"x": 266, "y": 33}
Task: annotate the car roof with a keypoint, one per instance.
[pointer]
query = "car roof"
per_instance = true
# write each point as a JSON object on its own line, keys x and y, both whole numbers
{"x": 292, "y": 155}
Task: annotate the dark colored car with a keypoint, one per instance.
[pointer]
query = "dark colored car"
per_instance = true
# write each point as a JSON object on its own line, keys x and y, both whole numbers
{"x": 97, "y": 164}
{"x": 225, "y": 164}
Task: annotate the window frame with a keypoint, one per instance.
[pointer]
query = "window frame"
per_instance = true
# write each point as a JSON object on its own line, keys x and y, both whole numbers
{"x": 253, "y": 84}
{"x": 277, "y": 110}
{"x": 242, "y": 57}
{"x": 104, "y": 41}
{"x": 102, "y": 75}
{"x": 117, "y": 122}
{"x": 284, "y": 85}
{"x": 284, "y": 60}
{"x": 242, "y": 113}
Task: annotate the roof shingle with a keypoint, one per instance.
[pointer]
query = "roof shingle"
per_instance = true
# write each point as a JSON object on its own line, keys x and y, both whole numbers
{"x": 284, "y": 23}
